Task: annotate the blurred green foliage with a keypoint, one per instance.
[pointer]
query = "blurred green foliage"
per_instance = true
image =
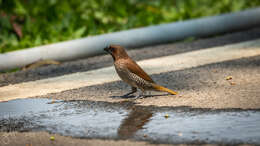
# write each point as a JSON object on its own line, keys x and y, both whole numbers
{"x": 28, "y": 23}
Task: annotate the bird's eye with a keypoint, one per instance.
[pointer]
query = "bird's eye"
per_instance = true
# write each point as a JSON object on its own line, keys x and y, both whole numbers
{"x": 112, "y": 49}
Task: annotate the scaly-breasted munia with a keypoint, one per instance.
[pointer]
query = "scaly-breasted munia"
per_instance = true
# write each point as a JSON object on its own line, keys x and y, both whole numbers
{"x": 130, "y": 72}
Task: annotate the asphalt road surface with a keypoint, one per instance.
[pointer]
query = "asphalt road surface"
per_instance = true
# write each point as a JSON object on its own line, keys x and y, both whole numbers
{"x": 228, "y": 84}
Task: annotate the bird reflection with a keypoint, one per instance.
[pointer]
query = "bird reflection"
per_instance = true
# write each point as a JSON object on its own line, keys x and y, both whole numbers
{"x": 135, "y": 120}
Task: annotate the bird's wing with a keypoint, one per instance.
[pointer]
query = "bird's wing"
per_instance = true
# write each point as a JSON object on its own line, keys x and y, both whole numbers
{"x": 133, "y": 67}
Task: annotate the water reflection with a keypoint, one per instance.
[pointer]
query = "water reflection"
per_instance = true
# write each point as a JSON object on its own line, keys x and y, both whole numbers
{"x": 135, "y": 121}
{"x": 125, "y": 120}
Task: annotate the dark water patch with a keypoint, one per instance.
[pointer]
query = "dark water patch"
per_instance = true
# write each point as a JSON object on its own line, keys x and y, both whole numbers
{"x": 89, "y": 119}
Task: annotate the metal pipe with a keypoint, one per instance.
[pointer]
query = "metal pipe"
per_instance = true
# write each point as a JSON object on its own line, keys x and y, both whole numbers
{"x": 151, "y": 35}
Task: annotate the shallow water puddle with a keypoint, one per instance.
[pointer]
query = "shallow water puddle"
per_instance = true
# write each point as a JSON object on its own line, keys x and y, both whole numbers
{"x": 89, "y": 119}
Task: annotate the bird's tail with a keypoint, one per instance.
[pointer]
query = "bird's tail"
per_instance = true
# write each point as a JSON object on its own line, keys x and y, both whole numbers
{"x": 161, "y": 88}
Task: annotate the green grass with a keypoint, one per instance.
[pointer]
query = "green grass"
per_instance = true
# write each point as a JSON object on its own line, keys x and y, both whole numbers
{"x": 48, "y": 21}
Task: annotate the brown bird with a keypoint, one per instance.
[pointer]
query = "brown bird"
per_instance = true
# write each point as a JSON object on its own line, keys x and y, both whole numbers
{"x": 130, "y": 72}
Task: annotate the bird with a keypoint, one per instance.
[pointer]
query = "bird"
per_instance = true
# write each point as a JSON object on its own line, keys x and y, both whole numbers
{"x": 131, "y": 73}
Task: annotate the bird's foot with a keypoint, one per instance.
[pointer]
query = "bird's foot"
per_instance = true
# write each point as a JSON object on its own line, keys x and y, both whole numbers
{"x": 128, "y": 95}
{"x": 140, "y": 96}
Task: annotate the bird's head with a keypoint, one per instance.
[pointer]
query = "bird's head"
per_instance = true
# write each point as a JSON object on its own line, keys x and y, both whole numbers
{"x": 117, "y": 52}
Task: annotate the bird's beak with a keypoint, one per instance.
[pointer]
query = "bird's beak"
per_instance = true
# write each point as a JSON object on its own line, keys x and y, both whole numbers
{"x": 107, "y": 50}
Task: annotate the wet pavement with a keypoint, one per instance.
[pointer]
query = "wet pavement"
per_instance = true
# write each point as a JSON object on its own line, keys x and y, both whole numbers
{"x": 125, "y": 120}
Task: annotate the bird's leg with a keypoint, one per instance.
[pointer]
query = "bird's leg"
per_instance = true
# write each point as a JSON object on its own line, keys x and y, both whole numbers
{"x": 149, "y": 93}
{"x": 134, "y": 89}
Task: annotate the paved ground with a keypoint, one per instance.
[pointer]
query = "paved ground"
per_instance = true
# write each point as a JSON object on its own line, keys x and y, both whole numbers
{"x": 157, "y": 65}
{"x": 202, "y": 87}
{"x": 43, "y": 139}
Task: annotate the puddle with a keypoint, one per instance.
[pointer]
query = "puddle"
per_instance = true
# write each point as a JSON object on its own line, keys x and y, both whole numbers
{"x": 89, "y": 119}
